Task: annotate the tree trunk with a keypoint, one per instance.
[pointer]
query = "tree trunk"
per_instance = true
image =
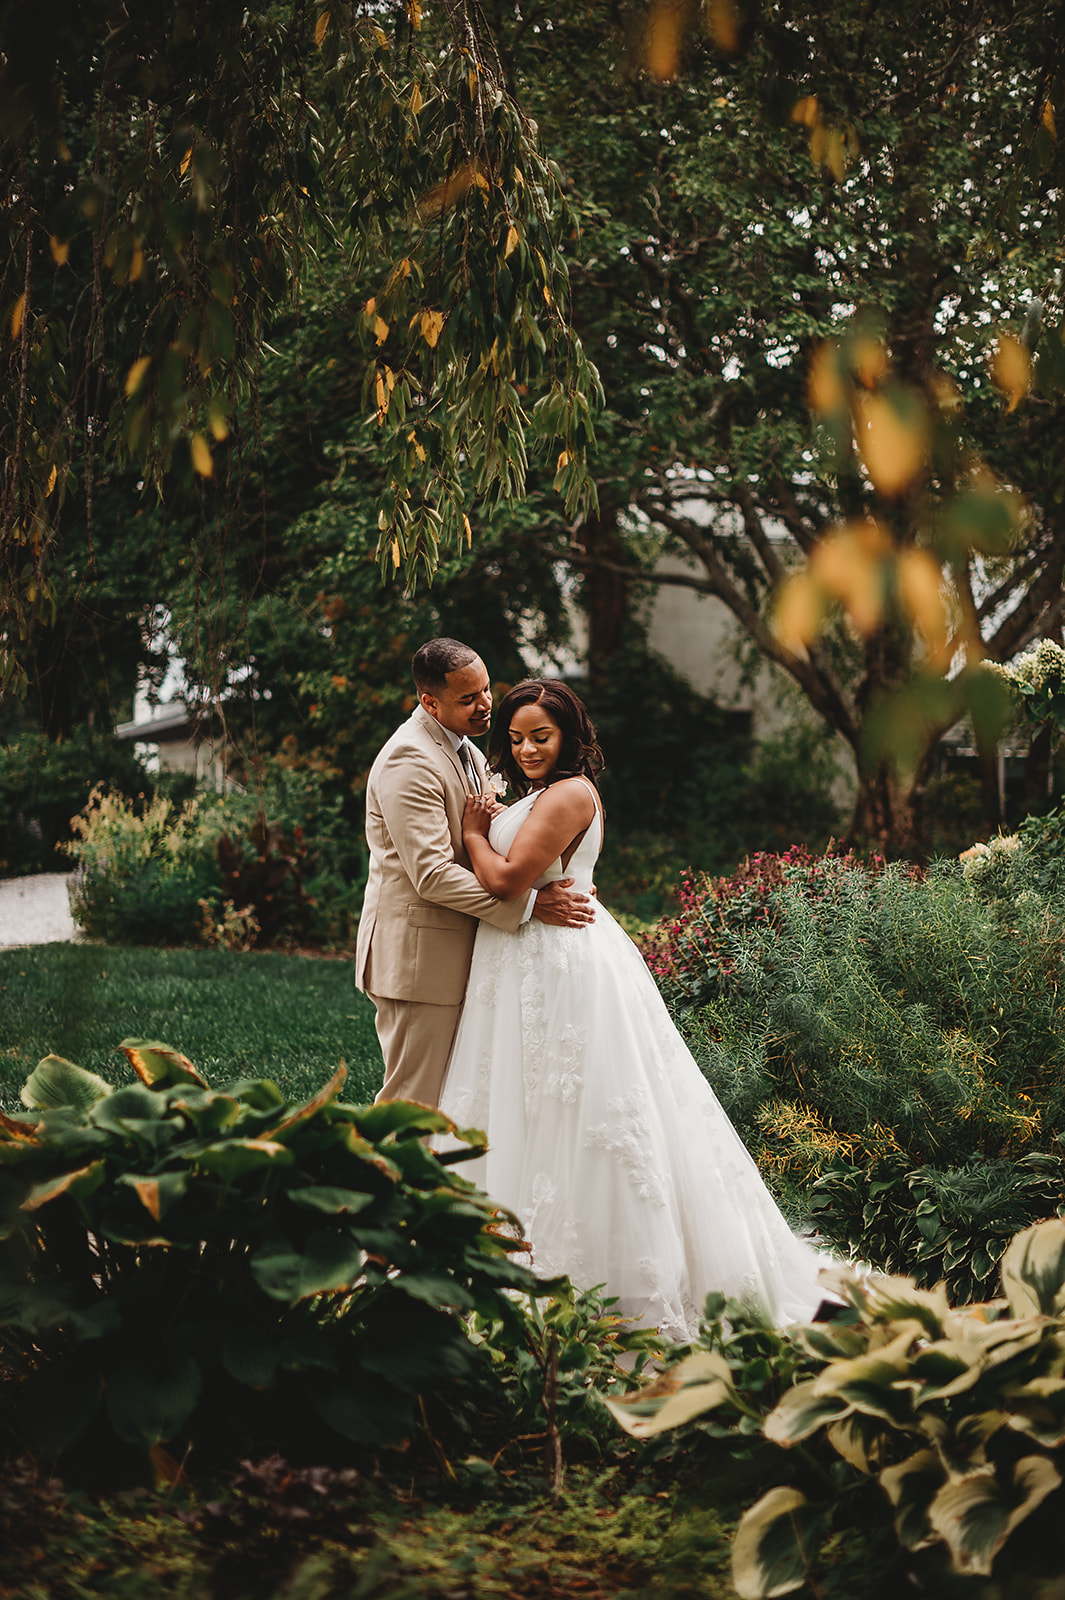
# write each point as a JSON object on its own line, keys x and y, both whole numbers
{"x": 885, "y": 815}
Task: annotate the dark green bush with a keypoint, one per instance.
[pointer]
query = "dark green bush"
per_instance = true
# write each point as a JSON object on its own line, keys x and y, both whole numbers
{"x": 243, "y": 870}
{"x": 45, "y": 782}
{"x": 937, "y": 1225}
{"x": 860, "y": 1013}
{"x": 221, "y": 1270}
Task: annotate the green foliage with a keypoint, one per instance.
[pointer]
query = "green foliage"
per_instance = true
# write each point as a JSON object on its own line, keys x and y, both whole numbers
{"x": 162, "y": 872}
{"x": 855, "y": 1012}
{"x": 291, "y": 1018}
{"x": 184, "y": 1267}
{"x": 45, "y": 782}
{"x": 142, "y": 871}
{"x": 1010, "y": 870}
{"x": 948, "y": 1225}
{"x": 174, "y": 187}
{"x": 934, "y": 1436}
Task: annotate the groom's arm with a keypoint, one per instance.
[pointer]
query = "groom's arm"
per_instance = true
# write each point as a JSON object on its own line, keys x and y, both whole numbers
{"x": 413, "y": 806}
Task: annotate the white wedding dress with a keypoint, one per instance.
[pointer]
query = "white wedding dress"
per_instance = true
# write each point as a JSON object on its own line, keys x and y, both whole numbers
{"x": 604, "y": 1138}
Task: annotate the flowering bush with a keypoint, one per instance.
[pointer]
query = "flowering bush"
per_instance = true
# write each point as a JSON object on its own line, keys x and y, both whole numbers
{"x": 693, "y": 955}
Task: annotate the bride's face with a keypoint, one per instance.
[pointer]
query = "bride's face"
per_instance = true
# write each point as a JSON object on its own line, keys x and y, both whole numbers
{"x": 535, "y": 742}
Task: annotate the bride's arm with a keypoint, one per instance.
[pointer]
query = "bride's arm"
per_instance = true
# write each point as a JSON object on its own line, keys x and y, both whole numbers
{"x": 562, "y": 812}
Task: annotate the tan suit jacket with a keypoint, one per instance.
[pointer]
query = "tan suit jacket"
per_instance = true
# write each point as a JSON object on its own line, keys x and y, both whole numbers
{"x": 423, "y": 903}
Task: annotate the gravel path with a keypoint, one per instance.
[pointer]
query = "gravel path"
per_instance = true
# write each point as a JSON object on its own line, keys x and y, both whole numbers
{"x": 35, "y": 910}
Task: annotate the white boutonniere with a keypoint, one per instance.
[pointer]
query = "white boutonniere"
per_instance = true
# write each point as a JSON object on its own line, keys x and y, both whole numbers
{"x": 498, "y": 784}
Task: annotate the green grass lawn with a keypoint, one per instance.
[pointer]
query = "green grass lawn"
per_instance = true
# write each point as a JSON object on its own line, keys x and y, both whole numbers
{"x": 290, "y": 1018}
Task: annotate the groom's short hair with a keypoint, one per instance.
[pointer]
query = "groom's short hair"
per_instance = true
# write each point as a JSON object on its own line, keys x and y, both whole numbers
{"x": 435, "y": 659}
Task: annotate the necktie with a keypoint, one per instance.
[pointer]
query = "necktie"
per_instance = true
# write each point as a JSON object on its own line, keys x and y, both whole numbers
{"x": 466, "y": 757}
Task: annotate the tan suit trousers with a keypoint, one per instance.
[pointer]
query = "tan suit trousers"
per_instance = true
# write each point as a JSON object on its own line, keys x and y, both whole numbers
{"x": 416, "y": 1040}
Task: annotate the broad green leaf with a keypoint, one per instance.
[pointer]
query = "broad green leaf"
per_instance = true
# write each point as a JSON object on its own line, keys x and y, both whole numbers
{"x": 802, "y": 1410}
{"x": 386, "y": 1117}
{"x": 159, "y": 1063}
{"x": 1037, "y": 1408}
{"x": 148, "y": 1406}
{"x": 1033, "y": 1270}
{"x": 312, "y": 1106}
{"x": 323, "y": 1197}
{"x": 699, "y": 1383}
{"x": 235, "y": 1158}
{"x": 208, "y": 1112}
{"x": 251, "y": 1356}
{"x": 78, "y": 1184}
{"x": 55, "y": 1082}
{"x": 128, "y": 1107}
{"x": 435, "y": 1288}
{"x": 769, "y": 1552}
{"x": 977, "y": 1516}
{"x": 910, "y": 1486}
{"x": 157, "y": 1194}
{"x": 329, "y": 1261}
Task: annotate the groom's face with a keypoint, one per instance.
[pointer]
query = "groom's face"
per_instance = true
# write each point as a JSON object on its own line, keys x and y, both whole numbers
{"x": 464, "y": 706}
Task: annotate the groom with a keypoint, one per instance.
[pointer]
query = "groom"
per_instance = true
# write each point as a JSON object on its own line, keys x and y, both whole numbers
{"x": 423, "y": 903}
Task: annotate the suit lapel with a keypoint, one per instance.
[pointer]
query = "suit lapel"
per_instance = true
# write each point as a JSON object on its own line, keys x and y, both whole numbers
{"x": 443, "y": 744}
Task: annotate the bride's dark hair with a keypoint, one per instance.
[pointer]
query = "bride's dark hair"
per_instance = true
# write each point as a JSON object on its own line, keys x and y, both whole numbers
{"x": 580, "y": 755}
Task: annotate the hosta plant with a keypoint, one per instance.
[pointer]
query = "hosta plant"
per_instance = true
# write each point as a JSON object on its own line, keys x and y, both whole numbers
{"x": 941, "y": 1224}
{"x": 218, "y": 1269}
{"x": 934, "y": 1436}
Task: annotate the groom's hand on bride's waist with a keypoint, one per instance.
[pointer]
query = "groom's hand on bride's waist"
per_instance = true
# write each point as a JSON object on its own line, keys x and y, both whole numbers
{"x": 562, "y": 906}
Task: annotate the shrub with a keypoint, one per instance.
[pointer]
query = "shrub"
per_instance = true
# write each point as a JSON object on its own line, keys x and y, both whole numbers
{"x": 237, "y": 871}
{"x": 928, "y": 1443}
{"x": 857, "y": 1013}
{"x": 940, "y": 1225}
{"x": 181, "y": 1266}
{"x": 142, "y": 872}
{"x": 44, "y": 782}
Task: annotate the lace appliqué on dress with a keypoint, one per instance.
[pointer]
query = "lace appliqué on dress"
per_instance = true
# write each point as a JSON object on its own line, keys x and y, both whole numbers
{"x": 625, "y": 1137}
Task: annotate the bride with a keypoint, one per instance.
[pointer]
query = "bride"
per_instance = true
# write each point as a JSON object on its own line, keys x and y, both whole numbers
{"x": 604, "y": 1138}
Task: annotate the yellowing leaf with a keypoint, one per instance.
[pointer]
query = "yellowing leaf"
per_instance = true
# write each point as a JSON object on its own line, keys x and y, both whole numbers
{"x": 469, "y": 530}
{"x": 1011, "y": 369}
{"x": 663, "y": 39}
{"x": 835, "y": 157}
{"x": 847, "y": 565}
{"x": 892, "y": 446}
{"x": 399, "y": 272}
{"x": 414, "y": 12}
{"x": 797, "y": 612}
{"x": 723, "y": 20}
{"x": 806, "y": 111}
{"x": 824, "y": 387}
{"x": 135, "y": 375}
{"x": 512, "y": 241}
{"x": 321, "y": 27}
{"x": 395, "y": 553}
{"x": 53, "y": 478}
{"x": 185, "y": 161}
{"x": 1048, "y": 120}
{"x": 920, "y": 588}
{"x": 60, "y": 250}
{"x": 431, "y": 324}
{"x": 17, "y": 315}
{"x": 136, "y": 263}
{"x": 382, "y": 397}
{"x": 480, "y": 180}
{"x": 380, "y": 330}
{"x": 870, "y": 361}
{"x": 818, "y": 144}
{"x": 200, "y": 451}
{"x": 416, "y": 101}
{"x": 219, "y": 426}
{"x": 147, "y": 1190}
{"x": 563, "y": 461}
